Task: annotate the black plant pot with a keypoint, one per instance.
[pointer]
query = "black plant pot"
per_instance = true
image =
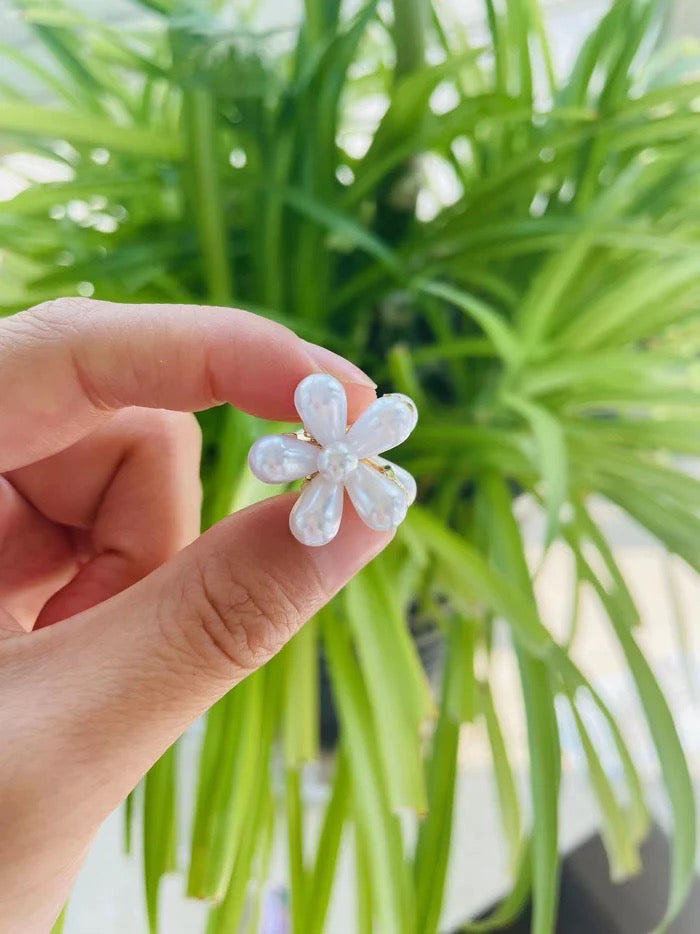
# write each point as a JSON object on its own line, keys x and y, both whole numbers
{"x": 590, "y": 903}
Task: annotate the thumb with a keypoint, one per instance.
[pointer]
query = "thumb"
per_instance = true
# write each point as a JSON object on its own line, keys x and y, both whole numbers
{"x": 108, "y": 690}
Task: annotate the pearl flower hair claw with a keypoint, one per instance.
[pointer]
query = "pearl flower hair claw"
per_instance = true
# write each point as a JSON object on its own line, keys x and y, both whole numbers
{"x": 333, "y": 457}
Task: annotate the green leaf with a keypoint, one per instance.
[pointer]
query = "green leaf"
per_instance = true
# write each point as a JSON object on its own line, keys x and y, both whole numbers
{"x": 434, "y": 836}
{"x": 49, "y": 79}
{"x": 548, "y": 290}
{"x": 623, "y": 855}
{"x": 60, "y": 922}
{"x": 342, "y": 224}
{"x": 670, "y": 521}
{"x": 543, "y": 732}
{"x": 300, "y": 725}
{"x": 63, "y": 47}
{"x": 409, "y": 104}
{"x": 518, "y": 21}
{"x": 461, "y": 683}
{"x": 398, "y": 698}
{"x": 252, "y": 856}
{"x": 619, "y": 595}
{"x": 159, "y": 829}
{"x": 681, "y": 625}
{"x": 226, "y": 783}
{"x": 363, "y": 883}
{"x": 674, "y": 768}
{"x": 515, "y": 902}
{"x": 637, "y": 812}
{"x": 545, "y": 765}
{"x": 493, "y": 325}
{"x": 39, "y": 198}
{"x": 295, "y": 848}
{"x": 128, "y": 821}
{"x": 88, "y": 130}
{"x": 403, "y": 374}
{"x": 666, "y": 433}
{"x": 540, "y": 29}
{"x": 552, "y": 457}
{"x": 623, "y": 308}
{"x": 471, "y": 578}
{"x": 500, "y": 46}
{"x": 398, "y": 640}
{"x": 506, "y": 788}
{"x": 301, "y": 696}
{"x": 226, "y": 916}
{"x": 323, "y": 872}
{"x": 379, "y": 829}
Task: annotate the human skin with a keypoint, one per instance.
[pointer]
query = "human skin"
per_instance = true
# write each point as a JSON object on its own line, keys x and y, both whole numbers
{"x": 119, "y": 623}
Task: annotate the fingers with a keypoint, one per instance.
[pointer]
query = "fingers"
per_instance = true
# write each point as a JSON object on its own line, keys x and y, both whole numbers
{"x": 65, "y": 366}
{"x": 37, "y": 557}
{"x": 134, "y": 484}
{"x": 117, "y": 684}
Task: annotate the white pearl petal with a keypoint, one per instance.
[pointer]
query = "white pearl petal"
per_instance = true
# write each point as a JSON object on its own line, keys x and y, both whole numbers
{"x": 383, "y": 425}
{"x": 402, "y": 475}
{"x": 282, "y": 458}
{"x": 322, "y": 406}
{"x": 315, "y": 518}
{"x": 380, "y": 503}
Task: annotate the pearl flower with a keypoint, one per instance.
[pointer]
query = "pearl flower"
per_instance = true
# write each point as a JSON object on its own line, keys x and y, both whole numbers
{"x": 336, "y": 458}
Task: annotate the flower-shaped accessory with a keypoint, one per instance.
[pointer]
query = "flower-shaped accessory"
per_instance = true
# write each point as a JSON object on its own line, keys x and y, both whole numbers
{"x": 333, "y": 457}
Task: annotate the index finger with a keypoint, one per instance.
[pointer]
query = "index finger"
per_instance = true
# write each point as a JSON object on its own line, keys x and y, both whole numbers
{"x": 67, "y": 364}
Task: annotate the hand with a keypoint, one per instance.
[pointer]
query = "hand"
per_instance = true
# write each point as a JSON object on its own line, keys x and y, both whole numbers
{"x": 132, "y": 638}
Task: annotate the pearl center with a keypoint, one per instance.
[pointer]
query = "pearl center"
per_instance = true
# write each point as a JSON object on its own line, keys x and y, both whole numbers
{"x": 336, "y": 462}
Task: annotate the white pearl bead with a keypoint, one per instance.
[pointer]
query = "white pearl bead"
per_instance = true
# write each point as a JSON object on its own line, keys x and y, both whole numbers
{"x": 385, "y": 424}
{"x": 336, "y": 461}
{"x": 322, "y": 406}
{"x": 282, "y": 458}
{"x": 315, "y": 517}
{"x": 378, "y": 501}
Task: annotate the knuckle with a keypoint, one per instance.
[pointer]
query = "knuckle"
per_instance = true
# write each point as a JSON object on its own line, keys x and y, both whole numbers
{"x": 234, "y": 622}
{"x": 42, "y": 322}
{"x": 64, "y": 305}
{"x": 56, "y": 326}
{"x": 65, "y": 312}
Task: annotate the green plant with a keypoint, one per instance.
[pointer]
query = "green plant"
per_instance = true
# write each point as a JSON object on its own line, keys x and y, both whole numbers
{"x": 545, "y": 320}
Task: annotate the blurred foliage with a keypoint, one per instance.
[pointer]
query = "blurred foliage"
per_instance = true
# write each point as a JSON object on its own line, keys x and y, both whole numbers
{"x": 519, "y": 251}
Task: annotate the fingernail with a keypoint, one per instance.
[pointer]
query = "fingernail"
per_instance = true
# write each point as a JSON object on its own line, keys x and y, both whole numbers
{"x": 336, "y": 365}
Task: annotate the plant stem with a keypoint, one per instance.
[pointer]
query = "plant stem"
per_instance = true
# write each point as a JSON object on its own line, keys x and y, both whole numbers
{"x": 200, "y": 129}
{"x": 410, "y": 24}
{"x": 321, "y": 19}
